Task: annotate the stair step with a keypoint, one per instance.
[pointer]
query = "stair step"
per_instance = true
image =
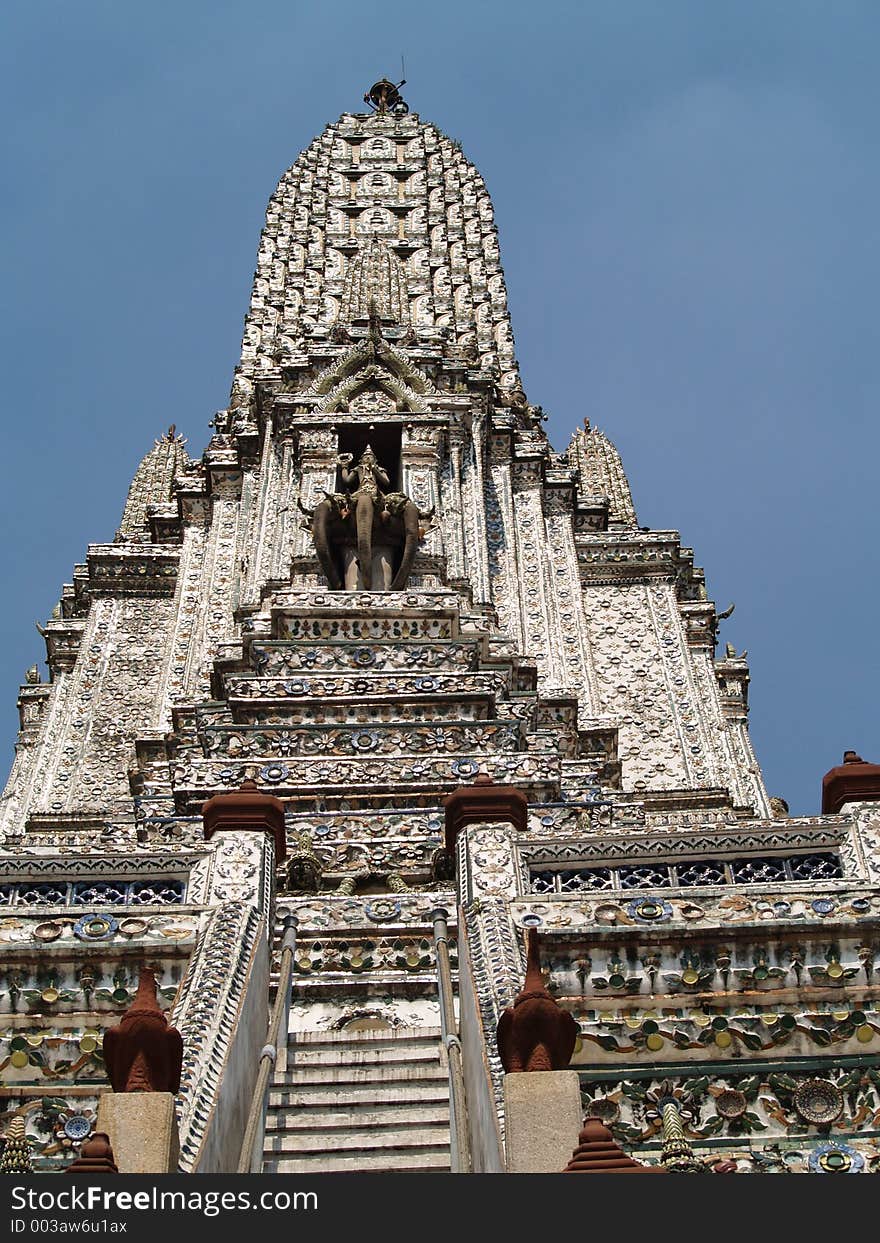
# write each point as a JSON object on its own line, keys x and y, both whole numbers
{"x": 407, "y": 1115}
{"x": 371, "y": 1100}
{"x": 361, "y": 1076}
{"x": 358, "y": 1140}
{"x": 404, "y": 776}
{"x": 343, "y": 1096}
{"x": 289, "y": 659}
{"x": 303, "y": 711}
{"x": 362, "y": 1055}
{"x": 395, "y": 1036}
{"x": 415, "y": 1161}
{"x": 364, "y": 687}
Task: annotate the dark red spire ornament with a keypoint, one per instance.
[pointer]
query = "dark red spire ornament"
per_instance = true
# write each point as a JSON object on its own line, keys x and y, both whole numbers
{"x": 95, "y": 1156}
{"x": 853, "y": 781}
{"x": 535, "y": 1033}
{"x": 144, "y": 1054}
{"x": 599, "y": 1153}
{"x": 246, "y": 810}
{"x": 482, "y": 803}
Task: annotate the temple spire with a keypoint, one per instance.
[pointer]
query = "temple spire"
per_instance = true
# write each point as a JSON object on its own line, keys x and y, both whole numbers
{"x": 152, "y": 483}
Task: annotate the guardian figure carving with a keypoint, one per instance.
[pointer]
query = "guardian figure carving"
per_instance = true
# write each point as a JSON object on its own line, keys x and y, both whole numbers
{"x": 366, "y": 538}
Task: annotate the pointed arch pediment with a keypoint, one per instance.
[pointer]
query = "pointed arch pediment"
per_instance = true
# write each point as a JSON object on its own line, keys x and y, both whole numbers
{"x": 376, "y": 379}
{"x": 384, "y": 359}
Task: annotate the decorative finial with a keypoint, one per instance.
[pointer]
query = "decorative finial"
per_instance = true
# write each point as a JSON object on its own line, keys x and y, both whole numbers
{"x": 535, "y": 1033}
{"x": 171, "y": 437}
{"x": 144, "y": 1054}
{"x": 599, "y": 1153}
{"x": 384, "y": 97}
{"x": 95, "y": 1156}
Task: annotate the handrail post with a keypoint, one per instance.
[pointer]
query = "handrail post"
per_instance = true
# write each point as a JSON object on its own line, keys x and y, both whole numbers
{"x": 459, "y": 1143}
{"x": 251, "y": 1157}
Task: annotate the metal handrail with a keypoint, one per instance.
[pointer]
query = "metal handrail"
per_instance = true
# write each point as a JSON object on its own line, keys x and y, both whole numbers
{"x": 250, "y": 1159}
{"x": 458, "y": 1129}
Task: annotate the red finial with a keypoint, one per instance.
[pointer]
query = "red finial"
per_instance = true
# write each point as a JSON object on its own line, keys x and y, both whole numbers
{"x": 482, "y": 803}
{"x": 853, "y": 781}
{"x": 246, "y": 810}
{"x": 599, "y": 1153}
{"x": 535, "y": 1033}
{"x": 95, "y": 1157}
{"x": 144, "y": 1054}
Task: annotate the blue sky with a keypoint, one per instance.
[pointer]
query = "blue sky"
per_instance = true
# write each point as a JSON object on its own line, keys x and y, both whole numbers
{"x": 687, "y": 198}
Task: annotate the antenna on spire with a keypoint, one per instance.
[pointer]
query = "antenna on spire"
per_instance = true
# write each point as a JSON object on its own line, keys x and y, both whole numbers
{"x": 384, "y": 97}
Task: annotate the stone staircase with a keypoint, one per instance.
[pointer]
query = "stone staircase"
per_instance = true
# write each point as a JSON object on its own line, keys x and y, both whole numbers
{"x": 342, "y": 700}
{"x": 374, "y": 1100}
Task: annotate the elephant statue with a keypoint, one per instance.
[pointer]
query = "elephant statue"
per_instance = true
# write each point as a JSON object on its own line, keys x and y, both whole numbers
{"x": 360, "y": 536}
{"x": 328, "y": 524}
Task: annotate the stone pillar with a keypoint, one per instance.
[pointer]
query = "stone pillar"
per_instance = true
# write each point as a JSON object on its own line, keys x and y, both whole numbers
{"x": 481, "y": 823}
{"x": 142, "y": 1129}
{"x": 542, "y": 1114}
{"x": 229, "y": 974}
{"x": 318, "y": 447}
{"x": 420, "y": 478}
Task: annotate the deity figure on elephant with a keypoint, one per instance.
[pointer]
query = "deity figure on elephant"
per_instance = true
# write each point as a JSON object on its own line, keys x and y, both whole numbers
{"x": 366, "y": 538}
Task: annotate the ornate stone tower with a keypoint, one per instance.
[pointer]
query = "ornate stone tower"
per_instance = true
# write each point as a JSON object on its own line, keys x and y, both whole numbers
{"x": 380, "y": 586}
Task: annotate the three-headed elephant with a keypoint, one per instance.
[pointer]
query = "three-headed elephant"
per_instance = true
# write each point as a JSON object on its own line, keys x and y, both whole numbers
{"x": 366, "y": 542}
